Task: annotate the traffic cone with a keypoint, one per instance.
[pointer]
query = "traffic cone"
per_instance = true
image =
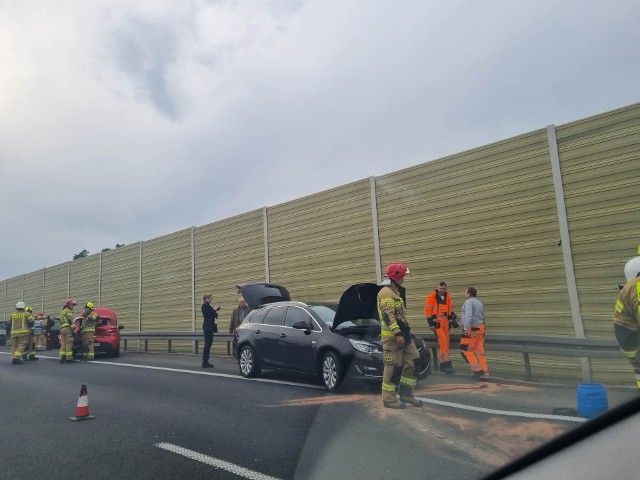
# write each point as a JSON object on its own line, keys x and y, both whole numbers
{"x": 82, "y": 409}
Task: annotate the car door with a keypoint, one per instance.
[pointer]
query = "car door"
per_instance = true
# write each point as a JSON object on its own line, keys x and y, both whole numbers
{"x": 296, "y": 346}
{"x": 265, "y": 335}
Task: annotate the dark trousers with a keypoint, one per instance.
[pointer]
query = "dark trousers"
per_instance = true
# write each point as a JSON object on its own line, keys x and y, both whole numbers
{"x": 208, "y": 341}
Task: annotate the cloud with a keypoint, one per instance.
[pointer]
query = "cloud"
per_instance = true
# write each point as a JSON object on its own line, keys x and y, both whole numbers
{"x": 143, "y": 118}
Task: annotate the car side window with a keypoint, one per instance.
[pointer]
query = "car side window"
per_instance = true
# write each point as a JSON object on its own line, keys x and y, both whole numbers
{"x": 256, "y": 316}
{"x": 274, "y": 316}
{"x": 296, "y": 314}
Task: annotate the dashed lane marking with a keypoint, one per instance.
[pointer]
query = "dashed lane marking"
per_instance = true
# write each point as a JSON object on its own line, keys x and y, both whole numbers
{"x": 215, "y": 462}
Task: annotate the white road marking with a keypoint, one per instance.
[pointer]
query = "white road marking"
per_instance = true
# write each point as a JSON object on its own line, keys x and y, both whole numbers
{"x": 195, "y": 372}
{"x": 542, "y": 416}
{"x": 215, "y": 462}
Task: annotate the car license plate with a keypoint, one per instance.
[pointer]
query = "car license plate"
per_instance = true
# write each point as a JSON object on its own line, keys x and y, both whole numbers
{"x": 96, "y": 344}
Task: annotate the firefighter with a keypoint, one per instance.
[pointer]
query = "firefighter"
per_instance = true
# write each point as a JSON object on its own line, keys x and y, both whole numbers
{"x": 438, "y": 307}
{"x": 397, "y": 343}
{"x": 472, "y": 340}
{"x": 66, "y": 331}
{"x": 626, "y": 316}
{"x": 88, "y": 329}
{"x": 38, "y": 330}
{"x": 19, "y": 333}
{"x": 30, "y": 350}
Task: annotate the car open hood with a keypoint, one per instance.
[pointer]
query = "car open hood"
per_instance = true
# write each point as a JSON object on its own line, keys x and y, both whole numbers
{"x": 359, "y": 301}
{"x": 258, "y": 294}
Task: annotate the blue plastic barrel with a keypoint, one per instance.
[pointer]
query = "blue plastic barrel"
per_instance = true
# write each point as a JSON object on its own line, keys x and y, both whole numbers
{"x": 592, "y": 399}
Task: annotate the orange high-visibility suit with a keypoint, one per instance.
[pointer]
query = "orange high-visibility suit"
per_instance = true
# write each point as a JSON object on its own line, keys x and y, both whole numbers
{"x": 439, "y": 311}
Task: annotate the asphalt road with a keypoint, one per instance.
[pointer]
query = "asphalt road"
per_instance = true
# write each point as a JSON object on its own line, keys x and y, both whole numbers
{"x": 162, "y": 417}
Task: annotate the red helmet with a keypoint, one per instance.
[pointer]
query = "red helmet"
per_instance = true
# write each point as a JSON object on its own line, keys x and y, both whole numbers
{"x": 396, "y": 271}
{"x": 70, "y": 302}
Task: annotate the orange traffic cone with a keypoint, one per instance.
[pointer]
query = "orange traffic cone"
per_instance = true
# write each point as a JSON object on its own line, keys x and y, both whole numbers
{"x": 82, "y": 409}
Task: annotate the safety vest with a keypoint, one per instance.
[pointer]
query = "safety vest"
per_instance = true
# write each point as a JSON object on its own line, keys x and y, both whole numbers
{"x": 19, "y": 324}
{"x": 38, "y": 327}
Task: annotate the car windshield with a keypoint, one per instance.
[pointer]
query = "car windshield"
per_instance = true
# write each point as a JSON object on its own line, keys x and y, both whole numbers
{"x": 325, "y": 313}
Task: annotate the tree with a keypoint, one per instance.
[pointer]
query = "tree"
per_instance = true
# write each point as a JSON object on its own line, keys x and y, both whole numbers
{"x": 105, "y": 249}
{"x": 82, "y": 254}
{"x": 118, "y": 245}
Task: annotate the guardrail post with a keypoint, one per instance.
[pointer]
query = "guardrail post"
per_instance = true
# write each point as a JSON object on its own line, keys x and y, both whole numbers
{"x": 228, "y": 348}
{"x": 125, "y": 344}
{"x": 527, "y": 365}
{"x": 196, "y": 347}
{"x": 434, "y": 358}
{"x": 146, "y": 345}
{"x": 169, "y": 341}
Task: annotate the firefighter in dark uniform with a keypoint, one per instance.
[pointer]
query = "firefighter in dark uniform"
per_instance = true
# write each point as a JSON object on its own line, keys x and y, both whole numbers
{"x": 397, "y": 343}
{"x": 626, "y": 316}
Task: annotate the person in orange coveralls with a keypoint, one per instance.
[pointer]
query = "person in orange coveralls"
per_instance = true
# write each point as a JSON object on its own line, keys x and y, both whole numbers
{"x": 440, "y": 315}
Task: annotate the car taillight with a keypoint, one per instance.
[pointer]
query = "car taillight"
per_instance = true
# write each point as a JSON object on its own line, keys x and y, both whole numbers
{"x": 111, "y": 330}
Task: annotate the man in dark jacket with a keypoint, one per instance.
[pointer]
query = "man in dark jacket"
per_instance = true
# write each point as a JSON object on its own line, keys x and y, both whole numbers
{"x": 238, "y": 314}
{"x": 209, "y": 327}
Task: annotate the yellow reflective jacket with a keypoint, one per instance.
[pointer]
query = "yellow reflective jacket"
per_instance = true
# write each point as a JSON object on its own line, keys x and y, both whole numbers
{"x": 66, "y": 318}
{"x": 627, "y": 315}
{"x": 19, "y": 324}
{"x": 89, "y": 323}
{"x": 391, "y": 310}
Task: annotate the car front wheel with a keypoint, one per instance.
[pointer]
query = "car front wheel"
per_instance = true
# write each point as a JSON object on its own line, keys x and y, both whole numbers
{"x": 248, "y": 362}
{"x": 331, "y": 371}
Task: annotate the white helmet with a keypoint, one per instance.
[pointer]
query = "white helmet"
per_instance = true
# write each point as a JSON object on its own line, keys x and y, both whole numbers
{"x": 632, "y": 268}
{"x": 20, "y": 305}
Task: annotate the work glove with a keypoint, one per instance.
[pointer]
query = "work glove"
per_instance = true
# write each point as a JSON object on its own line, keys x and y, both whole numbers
{"x": 400, "y": 340}
{"x": 454, "y": 324}
{"x": 433, "y": 323}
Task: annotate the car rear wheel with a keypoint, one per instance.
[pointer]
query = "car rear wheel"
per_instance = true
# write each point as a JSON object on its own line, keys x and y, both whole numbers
{"x": 248, "y": 363}
{"x": 116, "y": 353}
{"x": 331, "y": 371}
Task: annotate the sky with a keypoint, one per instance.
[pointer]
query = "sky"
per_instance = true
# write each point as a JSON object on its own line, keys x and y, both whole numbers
{"x": 124, "y": 121}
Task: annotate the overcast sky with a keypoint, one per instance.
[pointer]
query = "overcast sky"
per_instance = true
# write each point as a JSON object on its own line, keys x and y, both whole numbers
{"x": 122, "y": 121}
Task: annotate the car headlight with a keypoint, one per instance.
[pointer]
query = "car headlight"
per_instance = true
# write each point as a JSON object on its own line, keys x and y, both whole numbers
{"x": 365, "y": 347}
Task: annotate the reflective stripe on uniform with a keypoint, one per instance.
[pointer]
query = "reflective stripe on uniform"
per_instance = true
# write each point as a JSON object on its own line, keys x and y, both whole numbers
{"x": 409, "y": 382}
{"x": 388, "y": 387}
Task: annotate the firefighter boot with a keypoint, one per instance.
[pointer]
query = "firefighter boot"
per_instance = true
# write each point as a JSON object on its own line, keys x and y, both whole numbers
{"x": 16, "y": 361}
{"x": 406, "y": 396}
{"x": 396, "y": 405}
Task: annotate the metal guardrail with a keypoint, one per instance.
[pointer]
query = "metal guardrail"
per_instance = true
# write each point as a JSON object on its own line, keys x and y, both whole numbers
{"x": 526, "y": 344}
{"x": 196, "y": 337}
{"x": 538, "y": 344}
